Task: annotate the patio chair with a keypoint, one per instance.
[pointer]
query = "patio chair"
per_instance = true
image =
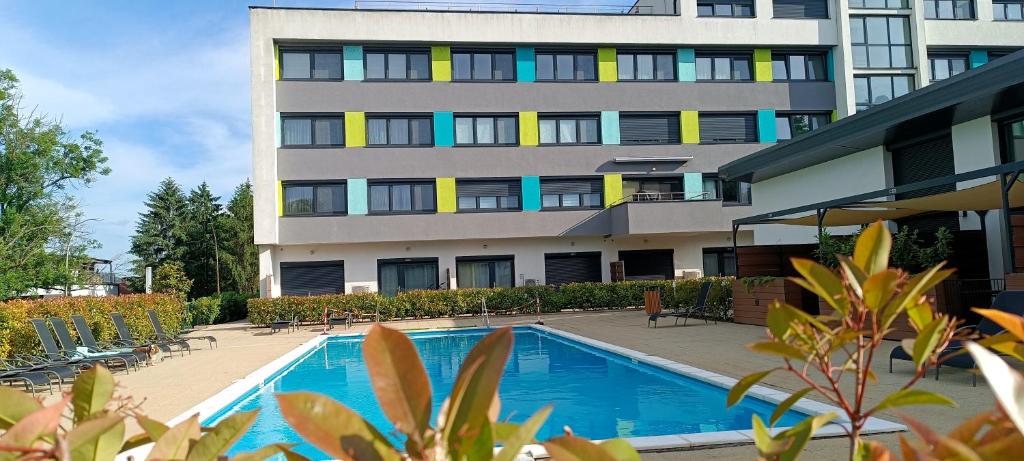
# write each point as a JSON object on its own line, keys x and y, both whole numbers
{"x": 55, "y": 354}
{"x": 163, "y": 336}
{"x": 699, "y": 309}
{"x": 278, "y": 325}
{"x": 32, "y": 380}
{"x": 953, "y": 355}
{"x": 126, "y": 339}
{"x": 88, "y": 340}
{"x": 61, "y": 372}
{"x": 68, "y": 344}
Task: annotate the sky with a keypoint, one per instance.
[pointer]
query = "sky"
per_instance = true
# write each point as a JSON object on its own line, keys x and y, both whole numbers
{"x": 164, "y": 84}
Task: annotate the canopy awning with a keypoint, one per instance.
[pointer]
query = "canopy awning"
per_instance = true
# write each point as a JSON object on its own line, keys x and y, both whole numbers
{"x": 848, "y": 217}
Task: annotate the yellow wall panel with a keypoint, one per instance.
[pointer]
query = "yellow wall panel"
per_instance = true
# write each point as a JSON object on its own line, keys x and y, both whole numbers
{"x": 445, "y": 195}
{"x": 277, "y": 64}
{"x": 607, "y": 65}
{"x": 690, "y": 125}
{"x": 441, "y": 63}
{"x": 763, "y": 65}
{"x": 355, "y": 129}
{"x": 280, "y": 199}
{"x": 612, "y": 189}
{"x": 528, "y": 131}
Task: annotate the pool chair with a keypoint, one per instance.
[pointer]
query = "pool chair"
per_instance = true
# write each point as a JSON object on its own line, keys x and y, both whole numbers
{"x": 31, "y": 380}
{"x": 53, "y": 352}
{"x": 953, "y": 355}
{"x": 161, "y": 335}
{"x": 89, "y": 341}
{"x": 68, "y": 344}
{"x": 278, "y": 325}
{"x": 125, "y": 338}
{"x": 61, "y": 372}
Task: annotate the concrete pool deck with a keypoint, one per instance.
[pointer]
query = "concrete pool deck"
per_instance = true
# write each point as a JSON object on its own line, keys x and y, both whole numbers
{"x": 177, "y": 384}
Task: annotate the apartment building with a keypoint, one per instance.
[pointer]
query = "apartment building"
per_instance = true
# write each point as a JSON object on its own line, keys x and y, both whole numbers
{"x": 397, "y": 150}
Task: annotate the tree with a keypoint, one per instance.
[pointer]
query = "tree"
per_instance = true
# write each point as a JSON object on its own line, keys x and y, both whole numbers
{"x": 201, "y": 253}
{"x": 39, "y": 163}
{"x": 159, "y": 235}
{"x": 240, "y": 258}
{"x": 170, "y": 279}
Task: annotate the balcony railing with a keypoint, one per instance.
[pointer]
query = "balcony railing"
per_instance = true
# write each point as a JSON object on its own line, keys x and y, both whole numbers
{"x": 640, "y": 7}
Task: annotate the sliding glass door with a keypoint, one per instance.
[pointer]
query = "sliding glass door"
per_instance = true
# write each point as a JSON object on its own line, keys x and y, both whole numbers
{"x": 484, "y": 271}
{"x": 395, "y": 276}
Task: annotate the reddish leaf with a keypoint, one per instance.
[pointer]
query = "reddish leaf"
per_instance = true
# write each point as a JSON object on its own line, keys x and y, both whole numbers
{"x": 333, "y": 428}
{"x": 399, "y": 381}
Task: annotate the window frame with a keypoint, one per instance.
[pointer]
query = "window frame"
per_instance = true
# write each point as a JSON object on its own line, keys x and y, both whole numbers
{"x": 789, "y": 73}
{"x": 892, "y": 86}
{"x": 408, "y": 63}
{"x": 498, "y": 209}
{"x": 1005, "y": 130}
{"x": 948, "y": 57}
{"x": 973, "y": 15}
{"x": 472, "y": 52}
{"x": 732, "y": 4}
{"x": 554, "y": 65}
{"x": 310, "y": 51}
{"x": 654, "y": 58}
{"x": 732, "y": 66}
{"x": 313, "y": 116}
{"x": 904, "y": 5}
{"x": 753, "y": 116}
{"x": 720, "y": 187}
{"x": 1005, "y": 4}
{"x": 314, "y": 185}
{"x": 397, "y": 116}
{"x": 866, "y": 45}
{"x": 789, "y": 119}
{"x": 491, "y": 266}
{"x": 495, "y": 117}
{"x": 390, "y": 185}
{"x": 561, "y": 207}
{"x": 568, "y": 116}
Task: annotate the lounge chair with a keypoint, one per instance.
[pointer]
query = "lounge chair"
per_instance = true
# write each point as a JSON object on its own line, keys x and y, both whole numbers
{"x": 88, "y": 340}
{"x": 68, "y": 346}
{"x": 55, "y": 354}
{"x": 700, "y": 309}
{"x": 277, "y": 325}
{"x": 953, "y": 355}
{"x": 32, "y": 380}
{"x": 126, "y": 339}
{"x": 61, "y": 372}
{"x": 161, "y": 335}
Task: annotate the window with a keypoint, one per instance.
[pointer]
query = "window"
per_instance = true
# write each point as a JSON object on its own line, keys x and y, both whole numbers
{"x": 789, "y": 126}
{"x": 312, "y": 278}
{"x": 485, "y": 271}
{"x": 948, "y": 9}
{"x": 1013, "y": 141}
{"x": 566, "y": 66}
{"x": 719, "y": 262}
{"x": 307, "y": 199}
{"x": 402, "y": 197}
{"x": 727, "y": 128}
{"x": 727, "y": 8}
{"x": 310, "y": 65}
{"x": 871, "y": 90}
{"x": 792, "y": 66}
{"x": 646, "y": 66}
{"x": 570, "y": 193}
{"x": 318, "y": 131}
{"x": 488, "y": 195}
{"x": 483, "y": 65}
{"x": 569, "y": 129}
{"x": 399, "y": 131}
{"x": 490, "y": 130}
{"x": 397, "y": 65}
{"x": 800, "y": 9}
{"x": 649, "y": 128}
{"x": 397, "y": 275}
{"x": 723, "y": 67}
{"x": 653, "y": 189}
{"x": 880, "y": 4}
{"x": 880, "y": 41}
{"x": 945, "y": 65}
{"x": 1008, "y": 10}
{"x": 729, "y": 192}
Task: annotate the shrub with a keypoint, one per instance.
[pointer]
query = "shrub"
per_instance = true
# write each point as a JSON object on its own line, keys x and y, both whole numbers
{"x": 17, "y": 335}
{"x": 170, "y": 279}
{"x": 205, "y": 310}
{"x": 468, "y": 301}
{"x": 233, "y": 306}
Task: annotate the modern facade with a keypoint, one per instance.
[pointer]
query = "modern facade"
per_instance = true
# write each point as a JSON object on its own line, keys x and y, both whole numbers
{"x": 396, "y": 150}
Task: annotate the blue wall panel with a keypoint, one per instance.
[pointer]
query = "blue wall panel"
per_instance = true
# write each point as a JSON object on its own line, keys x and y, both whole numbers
{"x": 687, "y": 65}
{"x": 978, "y": 58}
{"x": 444, "y": 129}
{"x": 531, "y": 193}
{"x": 693, "y": 186}
{"x": 830, "y": 64}
{"x": 526, "y": 64}
{"x": 609, "y": 127}
{"x": 356, "y": 195}
{"x": 766, "y": 125}
{"x": 353, "y": 62}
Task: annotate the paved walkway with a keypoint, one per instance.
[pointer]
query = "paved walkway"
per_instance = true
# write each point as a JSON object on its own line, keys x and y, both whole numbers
{"x": 179, "y": 383}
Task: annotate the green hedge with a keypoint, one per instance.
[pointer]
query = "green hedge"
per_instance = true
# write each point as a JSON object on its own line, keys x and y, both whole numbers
{"x": 18, "y": 336}
{"x": 448, "y": 303}
{"x": 227, "y": 307}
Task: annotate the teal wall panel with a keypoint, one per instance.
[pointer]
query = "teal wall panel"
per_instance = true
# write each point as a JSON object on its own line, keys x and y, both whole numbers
{"x": 766, "y": 125}
{"x": 353, "y": 62}
{"x": 687, "y": 65}
{"x": 830, "y": 65}
{"x": 526, "y": 64}
{"x": 978, "y": 58}
{"x": 444, "y": 129}
{"x": 356, "y": 196}
{"x": 693, "y": 186}
{"x": 609, "y": 127}
{"x": 531, "y": 193}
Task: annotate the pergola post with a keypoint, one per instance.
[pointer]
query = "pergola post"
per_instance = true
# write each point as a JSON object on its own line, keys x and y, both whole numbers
{"x": 1004, "y": 189}
{"x": 735, "y": 254}
{"x": 820, "y": 212}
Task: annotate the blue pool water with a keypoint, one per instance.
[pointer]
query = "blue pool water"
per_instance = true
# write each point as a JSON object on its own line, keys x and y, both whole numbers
{"x": 597, "y": 393}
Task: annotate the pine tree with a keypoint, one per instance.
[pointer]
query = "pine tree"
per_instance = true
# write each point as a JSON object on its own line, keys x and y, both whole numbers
{"x": 240, "y": 258}
{"x": 201, "y": 256}
{"x": 159, "y": 235}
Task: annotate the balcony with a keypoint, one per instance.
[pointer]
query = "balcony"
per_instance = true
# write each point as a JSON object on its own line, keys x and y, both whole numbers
{"x": 670, "y": 213}
{"x": 639, "y": 7}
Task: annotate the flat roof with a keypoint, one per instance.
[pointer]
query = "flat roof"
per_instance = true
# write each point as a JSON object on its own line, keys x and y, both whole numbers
{"x": 992, "y": 89}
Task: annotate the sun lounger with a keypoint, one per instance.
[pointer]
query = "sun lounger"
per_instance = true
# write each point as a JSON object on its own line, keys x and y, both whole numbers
{"x": 88, "y": 340}
{"x": 163, "y": 336}
{"x": 69, "y": 353}
{"x": 278, "y": 325}
{"x": 32, "y": 380}
{"x": 700, "y": 309}
{"x": 126, "y": 339}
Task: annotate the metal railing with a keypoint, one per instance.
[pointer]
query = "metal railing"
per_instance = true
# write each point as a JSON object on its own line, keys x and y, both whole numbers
{"x": 650, "y": 8}
{"x": 964, "y": 294}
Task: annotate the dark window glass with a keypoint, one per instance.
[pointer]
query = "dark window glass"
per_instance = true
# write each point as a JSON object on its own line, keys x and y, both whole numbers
{"x": 800, "y": 9}
{"x": 566, "y": 66}
{"x": 881, "y": 41}
{"x": 727, "y": 128}
{"x": 314, "y": 199}
{"x": 310, "y": 65}
{"x": 879, "y": 4}
{"x": 730, "y": 8}
{"x": 485, "y": 272}
{"x": 571, "y": 193}
{"x": 791, "y": 66}
{"x": 483, "y": 65}
{"x": 652, "y": 189}
{"x": 871, "y": 90}
{"x": 397, "y": 65}
{"x": 312, "y": 131}
{"x": 398, "y": 276}
{"x": 399, "y": 131}
{"x": 1013, "y": 134}
{"x": 945, "y": 66}
{"x": 948, "y": 9}
{"x": 646, "y": 66}
{"x": 477, "y": 195}
{"x": 402, "y": 197}
{"x": 1008, "y": 10}
{"x": 720, "y": 262}
{"x": 649, "y": 128}
{"x": 569, "y": 129}
{"x": 486, "y": 130}
{"x": 723, "y": 67}
{"x": 788, "y": 126}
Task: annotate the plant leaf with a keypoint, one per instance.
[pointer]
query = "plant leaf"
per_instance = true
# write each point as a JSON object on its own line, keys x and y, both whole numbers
{"x": 571, "y": 448}
{"x": 912, "y": 396}
{"x": 879, "y": 289}
{"x": 222, "y": 437}
{"x": 854, "y": 276}
{"x": 871, "y": 253}
{"x": 523, "y": 435}
{"x": 1006, "y": 383}
{"x": 175, "y": 443}
{"x": 399, "y": 381}
{"x": 17, "y": 405}
{"x": 779, "y": 321}
{"x": 474, "y": 389}
{"x": 778, "y": 348}
{"x": 620, "y": 449}
{"x": 800, "y": 434}
{"x": 1013, "y": 324}
{"x": 785, "y": 405}
{"x": 928, "y": 339}
{"x": 821, "y": 281}
{"x": 743, "y": 385}
{"x": 909, "y": 299}
{"x": 96, "y": 439}
{"x": 873, "y": 451}
{"x": 766, "y": 445}
{"x": 92, "y": 390}
{"x": 333, "y": 428}
{"x": 261, "y": 454}
{"x": 38, "y": 424}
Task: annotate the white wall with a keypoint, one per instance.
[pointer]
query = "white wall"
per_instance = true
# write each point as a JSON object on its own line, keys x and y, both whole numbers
{"x": 975, "y": 146}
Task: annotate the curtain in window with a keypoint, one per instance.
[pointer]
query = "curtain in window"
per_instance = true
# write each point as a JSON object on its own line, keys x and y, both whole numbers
{"x": 377, "y": 131}
{"x": 506, "y": 130}
{"x": 464, "y": 130}
{"x": 485, "y": 130}
{"x": 547, "y": 131}
{"x": 398, "y": 131}
{"x": 379, "y": 198}
{"x": 294, "y": 65}
{"x": 419, "y": 276}
{"x": 424, "y": 197}
{"x": 503, "y": 273}
{"x": 389, "y": 279}
{"x": 296, "y": 132}
{"x": 401, "y": 197}
{"x": 567, "y": 131}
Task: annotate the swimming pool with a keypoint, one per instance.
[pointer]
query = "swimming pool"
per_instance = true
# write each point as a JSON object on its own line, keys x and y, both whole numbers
{"x": 600, "y": 390}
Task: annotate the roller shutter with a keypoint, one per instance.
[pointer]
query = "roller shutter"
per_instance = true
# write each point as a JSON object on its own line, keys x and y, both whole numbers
{"x": 571, "y": 186}
{"x": 649, "y": 128}
{"x": 312, "y": 278}
{"x": 565, "y": 268}
{"x": 488, "y": 188}
{"x": 728, "y": 128}
{"x": 800, "y": 8}
{"x": 921, "y": 161}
